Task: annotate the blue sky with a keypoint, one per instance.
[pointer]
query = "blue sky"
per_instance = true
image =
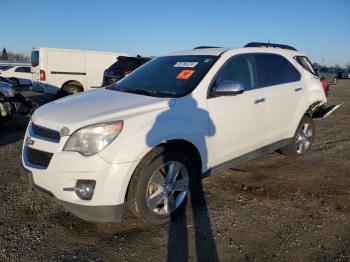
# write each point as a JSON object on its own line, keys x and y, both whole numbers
{"x": 319, "y": 28}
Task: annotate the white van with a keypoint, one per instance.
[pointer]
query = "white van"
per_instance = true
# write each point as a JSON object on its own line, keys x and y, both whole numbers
{"x": 69, "y": 70}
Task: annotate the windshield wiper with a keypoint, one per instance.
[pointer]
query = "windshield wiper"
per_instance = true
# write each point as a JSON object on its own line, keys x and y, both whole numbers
{"x": 139, "y": 91}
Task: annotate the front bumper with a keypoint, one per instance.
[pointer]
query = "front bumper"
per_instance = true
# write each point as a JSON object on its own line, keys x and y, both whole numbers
{"x": 100, "y": 214}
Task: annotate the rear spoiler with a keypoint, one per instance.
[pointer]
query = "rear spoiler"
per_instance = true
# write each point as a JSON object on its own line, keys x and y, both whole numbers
{"x": 324, "y": 110}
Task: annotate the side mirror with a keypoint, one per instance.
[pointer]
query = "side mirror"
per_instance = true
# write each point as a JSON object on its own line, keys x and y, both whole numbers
{"x": 227, "y": 88}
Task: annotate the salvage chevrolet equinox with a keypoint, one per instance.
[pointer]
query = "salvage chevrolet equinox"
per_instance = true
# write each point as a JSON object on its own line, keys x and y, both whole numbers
{"x": 145, "y": 141}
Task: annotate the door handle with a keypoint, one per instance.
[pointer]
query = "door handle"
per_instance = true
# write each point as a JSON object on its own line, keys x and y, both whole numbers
{"x": 260, "y": 100}
{"x": 298, "y": 89}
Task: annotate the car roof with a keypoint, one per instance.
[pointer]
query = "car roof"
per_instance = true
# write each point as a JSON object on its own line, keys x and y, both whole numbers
{"x": 217, "y": 51}
{"x": 133, "y": 58}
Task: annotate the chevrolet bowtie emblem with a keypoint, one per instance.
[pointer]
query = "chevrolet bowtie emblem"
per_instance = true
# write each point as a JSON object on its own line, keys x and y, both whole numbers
{"x": 29, "y": 141}
{"x": 64, "y": 131}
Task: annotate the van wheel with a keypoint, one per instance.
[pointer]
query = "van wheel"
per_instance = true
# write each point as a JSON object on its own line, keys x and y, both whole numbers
{"x": 302, "y": 140}
{"x": 14, "y": 81}
{"x": 71, "y": 89}
{"x": 159, "y": 187}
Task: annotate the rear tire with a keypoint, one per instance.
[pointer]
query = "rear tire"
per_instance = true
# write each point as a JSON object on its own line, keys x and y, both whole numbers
{"x": 153, "y": 195}
{"x": 302, "y": 140}
{"x": 72, "y": 89}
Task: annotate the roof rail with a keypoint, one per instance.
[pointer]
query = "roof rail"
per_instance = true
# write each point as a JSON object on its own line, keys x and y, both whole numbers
{"x": 259, "y": 44}
{"x": 203, "y": 46}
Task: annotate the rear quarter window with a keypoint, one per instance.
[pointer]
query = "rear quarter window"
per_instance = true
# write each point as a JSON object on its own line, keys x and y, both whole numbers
{"x": 306, "y": 64}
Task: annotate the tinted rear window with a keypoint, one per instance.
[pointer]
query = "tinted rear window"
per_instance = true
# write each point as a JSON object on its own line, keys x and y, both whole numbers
{"x": 20, "y": 69}
{"x": 124, "y": 65}
{"x": 35, "y": 58}
{"x": 277, "y": 70}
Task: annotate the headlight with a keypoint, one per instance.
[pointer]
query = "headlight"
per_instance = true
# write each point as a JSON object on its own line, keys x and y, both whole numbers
{"x": 92, "y": 139}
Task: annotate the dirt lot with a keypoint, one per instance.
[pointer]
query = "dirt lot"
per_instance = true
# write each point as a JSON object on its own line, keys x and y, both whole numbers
{"x": 270, "y": 209}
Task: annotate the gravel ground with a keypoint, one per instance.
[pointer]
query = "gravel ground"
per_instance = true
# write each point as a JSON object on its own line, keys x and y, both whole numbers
{"x": 270, "y": 209}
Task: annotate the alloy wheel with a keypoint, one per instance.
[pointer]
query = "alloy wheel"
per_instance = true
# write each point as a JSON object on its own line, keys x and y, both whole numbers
{"x": 303, "y": 138}
{"x": 167, "y": 188}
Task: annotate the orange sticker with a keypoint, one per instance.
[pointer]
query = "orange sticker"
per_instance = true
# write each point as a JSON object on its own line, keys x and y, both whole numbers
{"x": 185, "y": 74}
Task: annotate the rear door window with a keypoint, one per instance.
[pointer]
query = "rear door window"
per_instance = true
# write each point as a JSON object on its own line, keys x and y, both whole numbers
{"x": 277, "y": 70}
{"x": 20, "y": 69}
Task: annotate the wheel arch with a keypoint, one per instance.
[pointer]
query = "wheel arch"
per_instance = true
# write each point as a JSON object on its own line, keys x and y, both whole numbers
{"x": 74, "y": 82}
{"x": 178, "y": 145}
{"x": 189, "y": 149}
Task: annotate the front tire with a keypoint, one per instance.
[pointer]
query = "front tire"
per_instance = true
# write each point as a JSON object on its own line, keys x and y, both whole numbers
{"x": 159, "y": 188}
{"x": 302, "y": 140}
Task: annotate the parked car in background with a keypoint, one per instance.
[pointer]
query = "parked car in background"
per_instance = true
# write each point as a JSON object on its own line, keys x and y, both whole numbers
{"x": 325, "y": 85}
{"x": 124, "y": 66}
{"x": 146, "y": 141}
{"x": 6, "y": 64}
{"x": 346, "y": 74}
{"x": 68, "y": 70}
{"x": 329, "y": 74}
{"x": 5, "y": 80}
{"x": 12, "y": 102}
{"x": 19, "y": 75}
{"x": 340, "y": 72}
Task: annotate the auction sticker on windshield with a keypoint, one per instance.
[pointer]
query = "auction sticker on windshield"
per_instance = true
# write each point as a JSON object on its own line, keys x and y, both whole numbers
{"x": 186, "y": 64}
{"x": 185, "y": 74}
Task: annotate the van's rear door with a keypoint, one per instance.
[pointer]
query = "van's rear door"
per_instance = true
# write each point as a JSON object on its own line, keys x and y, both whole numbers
{"x": 35, "y": 70}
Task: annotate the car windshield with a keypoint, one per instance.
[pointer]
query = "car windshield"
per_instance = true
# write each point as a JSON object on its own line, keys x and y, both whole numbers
{"x": 168, "y": 76}
{"x": 5, "y": 68}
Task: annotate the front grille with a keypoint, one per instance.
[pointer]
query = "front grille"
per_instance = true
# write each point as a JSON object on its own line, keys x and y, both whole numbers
{"x": 38, "y": 158}
{"x": 44, "y": 132}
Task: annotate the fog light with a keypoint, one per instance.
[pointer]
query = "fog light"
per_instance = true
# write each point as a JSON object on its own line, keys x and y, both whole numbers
{"x": 85, "y": 189}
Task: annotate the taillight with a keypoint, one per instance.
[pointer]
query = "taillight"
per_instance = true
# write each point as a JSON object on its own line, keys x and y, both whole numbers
{"x": 42, "y": 75}
{"x": 127, "y": 72}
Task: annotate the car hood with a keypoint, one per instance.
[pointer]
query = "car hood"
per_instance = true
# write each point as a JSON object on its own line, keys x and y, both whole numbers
{"x": 96, "y": 106}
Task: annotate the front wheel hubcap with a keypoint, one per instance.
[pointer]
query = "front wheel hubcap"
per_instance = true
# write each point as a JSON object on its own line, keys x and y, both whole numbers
{"x": 167, "y": 188}
{"x": 303, "y": 138}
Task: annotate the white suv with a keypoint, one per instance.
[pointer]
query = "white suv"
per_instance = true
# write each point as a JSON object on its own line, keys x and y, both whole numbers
{"x": 147, "y": 140}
